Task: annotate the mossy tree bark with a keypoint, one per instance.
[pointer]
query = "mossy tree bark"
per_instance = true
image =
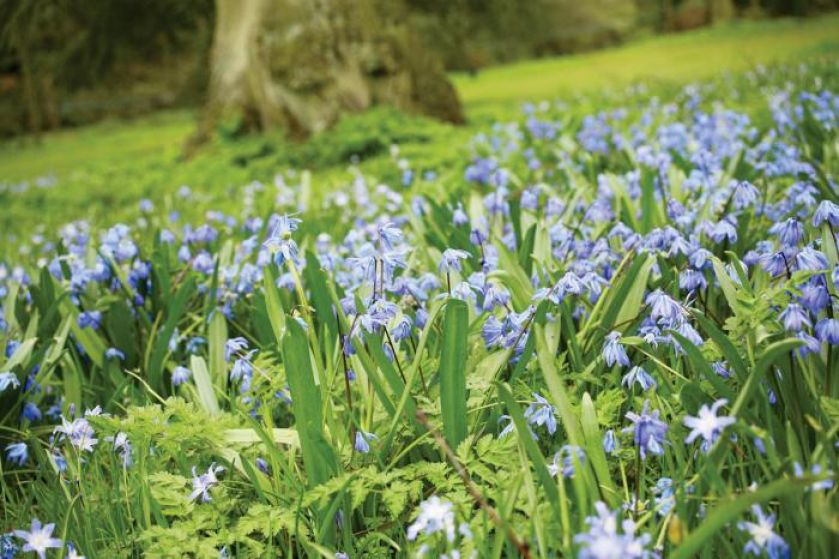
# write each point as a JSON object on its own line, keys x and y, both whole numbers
{"x": 300, "y": 64}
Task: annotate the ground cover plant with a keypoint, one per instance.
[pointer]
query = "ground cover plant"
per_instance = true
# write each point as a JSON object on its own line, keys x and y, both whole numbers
{"x": 607, "y": 330}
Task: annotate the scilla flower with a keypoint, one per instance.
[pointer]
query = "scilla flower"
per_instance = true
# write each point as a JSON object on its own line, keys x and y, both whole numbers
{"x": 202, "y": 484}
{"x": 541, "y": 412}
{"x": 450, "y": 260}
{"x": 39, "y": 538}
{"x": 362, "y": 441}
{"x": 648, "y": 431}
{"x": 707, "y": 424}
{"x": 436, "y": 515}
{"x": 613, "y": 351}
{"x": 763, "y": 537}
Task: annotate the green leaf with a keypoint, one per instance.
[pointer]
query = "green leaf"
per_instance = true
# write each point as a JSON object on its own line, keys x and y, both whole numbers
{"x": 318, "y": 456}
{"x": 161, "y": 345}
{"x": 204, "y": 385}
{"x": 216, "y": 340}
{"x": 453, "y": 371}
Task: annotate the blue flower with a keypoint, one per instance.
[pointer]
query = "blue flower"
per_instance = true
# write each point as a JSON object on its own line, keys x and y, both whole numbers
{"x": 450, "y": 260}
{"x": 234, "y": 346}
{"x": 827, "y": 330}
{"x": 610, "y": 442}
{"x": 201, "y": 484}
{"x": 763, "y": 536}
{"x": 39, "y": 538}
{"x": 180, "y": 375}
{"x": 362, "y": 441}
{"x": 17, "y": 453}
{"x": 8, "y": 379}
{"x": 541, "y": 412}
{"x": 789, "y": 232}
{"x": 91, "y": 319}
{"x": 79, "y": 432}
{"x": 613, "y": 351}
{"x": 609, "y": 539}
{"x": 707, "y": 425}
{"x": 826, "y": 212}
{"x": 563, "y": 460}
{"x": 114, "y": 353}
{"x": 649, "y": 431}
{"x": 31, "y": 412}
{"x": 745, "y": 195}
{"x": 436, "y": 515}
{"x": 640, "y": 376}
{"x": 8, "y": 548}
{"x": 279, "y": 242}
{"x": 663, "y": 307}
{"x": 794, "y": 317}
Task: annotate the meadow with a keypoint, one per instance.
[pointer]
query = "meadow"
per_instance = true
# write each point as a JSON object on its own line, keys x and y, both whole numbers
{"x": 598, "y": 321}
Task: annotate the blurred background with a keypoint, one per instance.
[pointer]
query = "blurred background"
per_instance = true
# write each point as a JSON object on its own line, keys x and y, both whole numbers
{"x": 106, "y": 104}
{"x": 298, "y": 64}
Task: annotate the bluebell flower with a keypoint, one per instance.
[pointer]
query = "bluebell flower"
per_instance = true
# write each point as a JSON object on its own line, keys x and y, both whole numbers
{"x": 79, "y": 432}
{"x": 816, "y": 470}
{"x": 648, "y": 430}
{"x": 114, "y": 353}
{"x": 72, "y": 553}
{"x": 541, "y": 412}
{"x": 763, "y": 536}
{"x": 814, "y": 296}
{"x": 692, "y": 280}
{"x": 362, "y": 441}
{"x": 665, "y": 496}
{"x": 721, "y": 368}
{"x": 613, "y": 352}
{"x": 39, "y": 538}
{"x": 610, "y": 442}
{"x": 279, "y": 242}
{"x": 664, "y": 307}
{"x": 402, "y": 329}
{"x": 745, "y": 195}
{"x": 201, "y": 484}
{"x": 8, "y": 379}
{"x": 450, "y": 260}
{"x": 193, "y": 345}
{"x": 789, "y": 232}
{"x": 31, "y": 412}
{"x": 180, "y": 375}
{"x": 122, "y": 446}
{"x": 827, "y": 330}
{"x": 8, "y": 548}
{"x": 234, "y": 346}
{"x": 637, "y": 375}
{"x": 707, "y": 424}
{"x": 609, "y": 539}
{"x": 91, "y": 319}
{"x": 563, "y": 460}
{"x": 459, "y": 216}
{"x": 826, "y": 212}
{"x": 436, "y": 515}
{"x": 723, "y": 230}
{"x": 811, "y": 259}
{"x": 17, "y": 453}
{"x": 794, "y": 317}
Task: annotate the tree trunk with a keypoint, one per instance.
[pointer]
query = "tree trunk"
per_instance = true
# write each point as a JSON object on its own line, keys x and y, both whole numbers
{"x": 300, "y": 64}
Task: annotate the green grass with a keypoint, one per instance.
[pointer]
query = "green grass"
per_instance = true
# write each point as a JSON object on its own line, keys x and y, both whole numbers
{"x": 678, "y": 58}
{"x": 104, "y": 169}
